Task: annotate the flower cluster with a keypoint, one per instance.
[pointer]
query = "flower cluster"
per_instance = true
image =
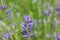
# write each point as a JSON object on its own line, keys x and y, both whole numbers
{"x": 46, "y": 12}
{"x": 9, "y": 14}
{"x": 57, "y": 37}
{"x": 3, "y": 7}
{"x": 58, "y": 4}
{"x": 27, "y": 26}
{"x": 58, "y": 9}
{"x": 6, "y": 36}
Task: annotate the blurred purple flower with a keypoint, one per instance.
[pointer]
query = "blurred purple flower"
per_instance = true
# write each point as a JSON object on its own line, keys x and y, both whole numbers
{"x": 27, "y": 26}
{"x": 58, "y": 10}
{"x": 0, "y": 7}
{"x": 57, "y": 37}
{"x": 8, "y": 11}
{"x": 46, "y": 12}
{"x": 58, "y": 3}
{"x": 9, "y": 14}
{"x": 24, "y": 25}
{"x": 48, "y": 35}
{"x": 27, "y": 18}
{"x": 6, "y": 36}
{"x": 29, "y": 35}
{"x": 58, "y": 15}
{"x": 4, "y": 6}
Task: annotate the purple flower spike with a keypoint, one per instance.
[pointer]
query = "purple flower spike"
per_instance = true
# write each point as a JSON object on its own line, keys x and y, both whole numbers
{"x": 27, "y": 26}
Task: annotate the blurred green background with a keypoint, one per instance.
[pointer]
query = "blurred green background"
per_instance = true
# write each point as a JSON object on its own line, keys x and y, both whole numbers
{"x": 34, "y": 8}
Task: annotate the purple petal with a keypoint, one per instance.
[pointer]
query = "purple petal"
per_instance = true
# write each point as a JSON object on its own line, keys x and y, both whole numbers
{"x": 30, "y": 25}
{"x": 3, "y": 38}
{"x": 58, "y": 15}
{"x": 4, "y": 6}
{"x": 25, "y": 36}
{"x": 46, "y": 12}
{"x": 0, "y": 7}
{"x": 58, "y": 36}
{"x": 58, "y": 3}
{"x": 8, "y": 11}
{"x": 31, "y": 35}
{"x": 24, "y": 25}
{"x": 27, "y": 18}
{"x": 5, "y": 35}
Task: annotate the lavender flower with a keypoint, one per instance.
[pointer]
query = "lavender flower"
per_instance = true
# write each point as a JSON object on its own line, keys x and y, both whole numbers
{"x": 48, "y": 35}
{"x": 27, "y": 26}
{"x": 9, "y": 14}
{"x": 8, "y": 11}
{"x": 58, "y": 15}
{"x": 58, "y": 3}
{"x": 57, "y": 37}
{"x": 58, "y": 7}
{"x": 4, "y": 6}
{"x": 30, "y": 35}
{"x": 27, "y": 18}
{"x": 46, "y": 12}
{"x": 6, "y": 36}
{"x": 58, "y": 12}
